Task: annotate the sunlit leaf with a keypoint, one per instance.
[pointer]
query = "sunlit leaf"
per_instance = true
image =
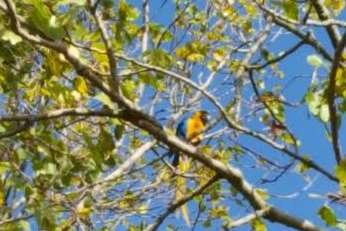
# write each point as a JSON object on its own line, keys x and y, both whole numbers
{"x": 258, "y": 225}
{"x": 11, "y": 37}
{"x": 328, "y": 215}
{"x": 314, "y": 60}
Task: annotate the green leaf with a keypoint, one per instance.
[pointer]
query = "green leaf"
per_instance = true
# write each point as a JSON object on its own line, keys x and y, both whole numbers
{"x": 303, "y": 167}
{"x": 119, "y": 131}
{"x": 128, "y": 88}
{"x": 11, "y": 37}
{"x": 193, "y": 51}
{"x": 103, "y": 98}
{"x": 291, "y": 9}
{"x": 73, "y": 2}
{"x": 328, "y": 215}
{"x": 262, "y": 193}
{"x": 258, "y": 225}
{"x": 156, "y": 81}
{"x": 106, "y": 141}
{"x": 159, "y": 57}
{"x": 340, "y": 173}
{"x": 324, "y": 113}
{"x": 127, "y": 12}
{"x": 4, "y": 166}
{"x": 317, "y": 104}
{"x": 44, "y": 21}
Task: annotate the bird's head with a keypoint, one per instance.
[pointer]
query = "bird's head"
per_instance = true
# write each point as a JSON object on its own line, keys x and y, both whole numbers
{"x": 203, "y": 115}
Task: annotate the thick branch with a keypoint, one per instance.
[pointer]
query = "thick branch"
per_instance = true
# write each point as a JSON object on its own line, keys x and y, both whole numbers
{"x": 331, "y": 98}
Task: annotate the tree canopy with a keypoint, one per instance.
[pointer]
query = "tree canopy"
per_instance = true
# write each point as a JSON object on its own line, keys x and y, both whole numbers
{"x": 91, "y": 92}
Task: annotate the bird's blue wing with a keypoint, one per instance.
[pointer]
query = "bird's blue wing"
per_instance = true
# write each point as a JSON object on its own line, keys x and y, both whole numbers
{"x": 182, "y": 129}
{"x": 181, "y": 133}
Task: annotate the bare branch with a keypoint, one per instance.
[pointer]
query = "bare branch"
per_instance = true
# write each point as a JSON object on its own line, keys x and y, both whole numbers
{"x": 278, "y": 58}
{"x": 108, "y": 45}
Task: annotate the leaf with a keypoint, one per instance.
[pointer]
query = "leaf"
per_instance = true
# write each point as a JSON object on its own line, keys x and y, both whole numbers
{"x": 291, "y": 9}
{"x": 328, "y": 215}
{"x": 314, "y": 60}
{"x": 258, "y": 225}
{"x": 156, "y": 81}
{"x": 219, "y": 54}
{"x": 303, "y": 167}
{"x": 44, "y": 21}
{"x": 127, "y": 12}
{"x": 159, "y": 57}
{"x": 128, "y": 88}
{"x": 324, "y": 113}
{"x": 4, "y": 166}
{"x": 103, "y": 98}
{"x": 340, "y": 173}
{"x": 11, "y": 37}
{"x": 317, "y": 104}
{"x": 336, "y": 5}
{"x": 119, "y": 131}
{"x": 74, "y": 2}
{"x": 106, "y": 141}
{"x": 80, "y": 85}
{"x": 193, "y": 51}
{"x": 262, "y": 193}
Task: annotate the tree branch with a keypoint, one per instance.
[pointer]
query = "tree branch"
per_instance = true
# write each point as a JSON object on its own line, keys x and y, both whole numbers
{"x": 331, "y": 98}
{"x": 248, "y": 218}
{"x": 109, "y": 48}
{"x": 307, "y": 38}
{"x": 323, "y": 15}
{"x": 57, "y": 114}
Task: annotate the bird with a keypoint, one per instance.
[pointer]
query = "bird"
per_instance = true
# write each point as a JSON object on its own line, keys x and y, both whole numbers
{"x": 191, "y": 130}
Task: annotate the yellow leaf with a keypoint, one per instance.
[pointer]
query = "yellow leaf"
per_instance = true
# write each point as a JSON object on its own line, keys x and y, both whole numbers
{"x": 336, "y": 5}
{"x": 2, "y": 198}
{"x": 81, "y": 85}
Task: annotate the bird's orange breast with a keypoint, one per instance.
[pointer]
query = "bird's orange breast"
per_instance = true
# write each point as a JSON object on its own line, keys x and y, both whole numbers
{"x": 195, "y": 127}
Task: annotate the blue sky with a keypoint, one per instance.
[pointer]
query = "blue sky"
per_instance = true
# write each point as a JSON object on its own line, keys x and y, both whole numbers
{"x": 307, "y": 129}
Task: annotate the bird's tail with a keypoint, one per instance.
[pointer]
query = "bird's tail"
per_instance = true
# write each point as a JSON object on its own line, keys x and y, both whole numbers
{"x": 181, "y": 189}
{"x": 175, "y": 160}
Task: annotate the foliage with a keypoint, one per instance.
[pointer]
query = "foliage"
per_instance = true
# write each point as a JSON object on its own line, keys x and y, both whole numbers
{"x": 91, "y": 92}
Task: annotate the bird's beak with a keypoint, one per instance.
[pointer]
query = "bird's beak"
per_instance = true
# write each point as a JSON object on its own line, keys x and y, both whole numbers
{"x": 208, "y": 117}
